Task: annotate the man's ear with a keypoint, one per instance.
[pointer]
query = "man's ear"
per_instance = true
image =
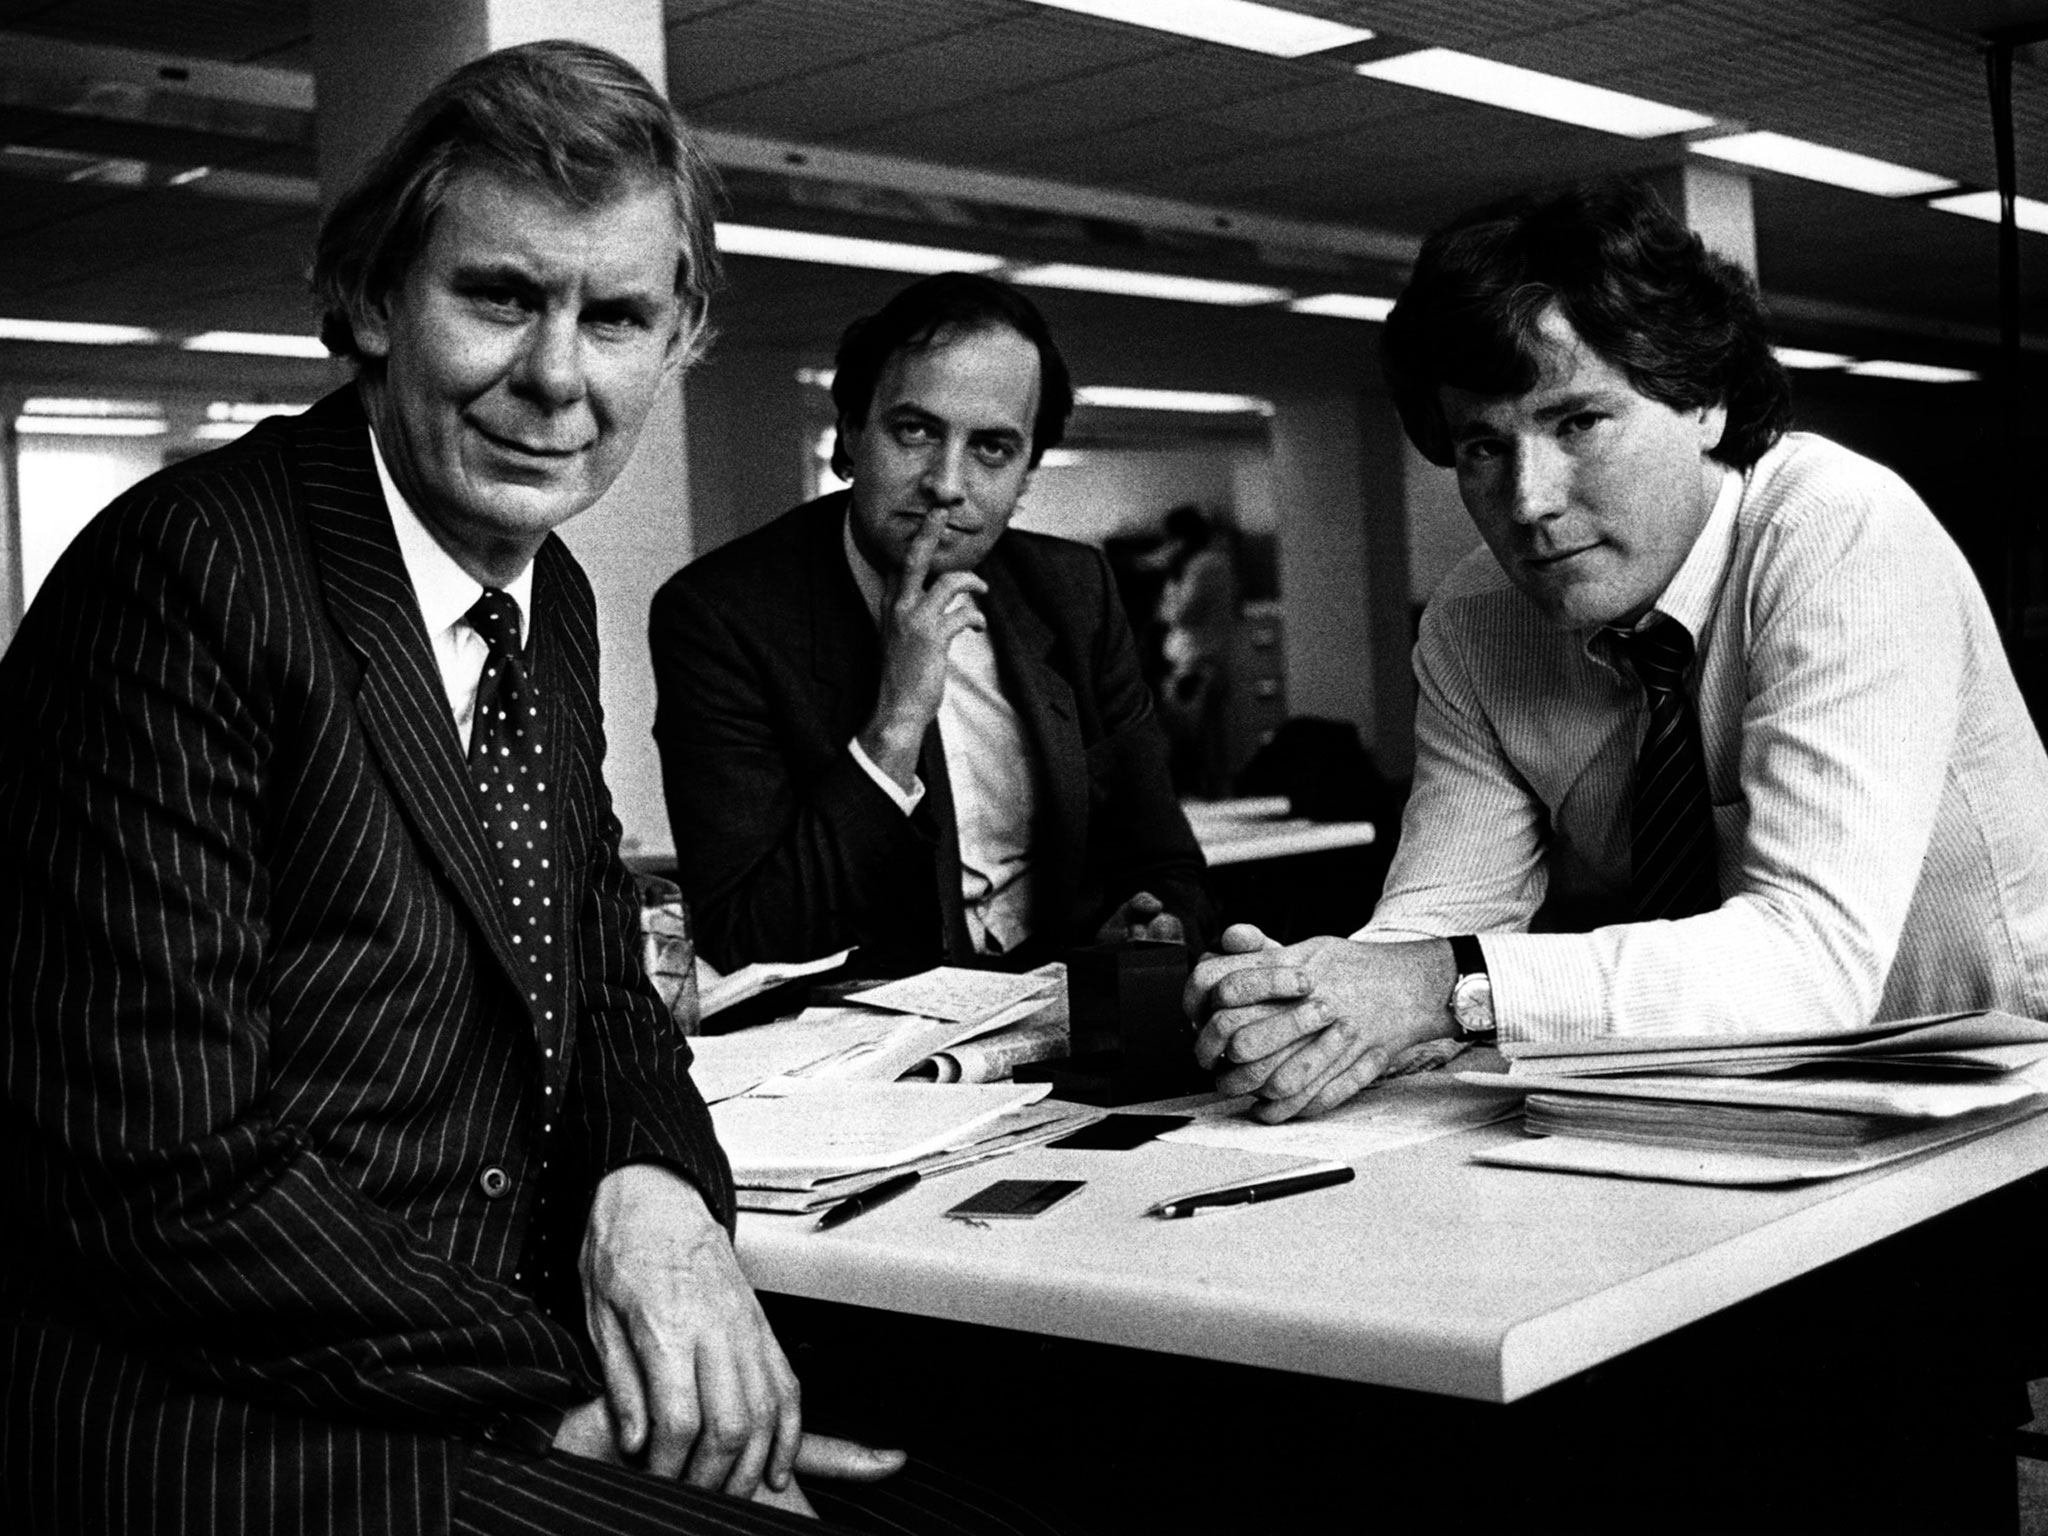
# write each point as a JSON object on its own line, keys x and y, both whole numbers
{"x": 1713, "y": 425}
{"x": 681, "y": 349}
{"x": 371, "y": 323}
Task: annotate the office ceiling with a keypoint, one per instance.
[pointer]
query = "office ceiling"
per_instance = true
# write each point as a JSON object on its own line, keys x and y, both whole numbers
{"x": 92, "y": 226}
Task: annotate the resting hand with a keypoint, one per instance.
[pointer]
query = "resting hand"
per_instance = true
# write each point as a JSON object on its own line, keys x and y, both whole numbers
{"x": 587, "y": 1431}
{"x": 830, "y": 1457}
{"x": 919, "y": 624}
{"x": 695, "y": 1382}
{"x": 1306, "y": 1027}
{"x": 1144, "y": 916}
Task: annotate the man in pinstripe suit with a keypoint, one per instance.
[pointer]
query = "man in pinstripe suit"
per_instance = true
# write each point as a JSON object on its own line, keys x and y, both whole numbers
{"x": 298, "y": 1152}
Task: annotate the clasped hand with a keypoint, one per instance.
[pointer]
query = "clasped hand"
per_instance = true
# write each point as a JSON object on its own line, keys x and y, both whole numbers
{"x": 695, "y": 1384}
{"x": 1305, "y": 1027}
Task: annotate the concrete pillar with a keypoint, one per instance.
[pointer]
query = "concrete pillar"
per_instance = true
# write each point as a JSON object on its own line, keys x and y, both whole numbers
{"x": 373, "y": 59}
{"x": 1716, "y": 204}
{"x": 11, "y": 596}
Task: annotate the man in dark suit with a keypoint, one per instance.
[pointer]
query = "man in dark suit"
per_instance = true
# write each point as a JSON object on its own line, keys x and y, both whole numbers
{"x": 887, "y": 719}
{"x": 326, "y": 1047}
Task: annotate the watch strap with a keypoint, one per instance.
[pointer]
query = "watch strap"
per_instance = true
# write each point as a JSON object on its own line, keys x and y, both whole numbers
{"x": 1466, "y": 954}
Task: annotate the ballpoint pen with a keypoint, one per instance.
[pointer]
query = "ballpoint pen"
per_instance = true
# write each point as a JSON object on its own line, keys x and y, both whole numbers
{"x": 1252, "y": 1193}
{"x": 866, "y": 1200}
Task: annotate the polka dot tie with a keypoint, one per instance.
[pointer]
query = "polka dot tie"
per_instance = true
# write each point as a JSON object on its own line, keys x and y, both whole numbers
{"x": 1672, "y": 826}
{"x": 508, "y": 765}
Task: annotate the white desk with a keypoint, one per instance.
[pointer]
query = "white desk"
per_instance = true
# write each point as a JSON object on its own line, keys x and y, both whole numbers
{"x": 1427, "y": 1272}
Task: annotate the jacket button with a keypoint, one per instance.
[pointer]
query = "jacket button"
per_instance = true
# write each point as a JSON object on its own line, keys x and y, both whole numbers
{"x": 493, "y": 1182}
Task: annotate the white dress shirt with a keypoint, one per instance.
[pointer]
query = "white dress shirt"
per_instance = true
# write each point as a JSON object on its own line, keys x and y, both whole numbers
{"x": 988, "y": 767}
{"x": 1880, "y": 796}
{"x": 446, "y": 593}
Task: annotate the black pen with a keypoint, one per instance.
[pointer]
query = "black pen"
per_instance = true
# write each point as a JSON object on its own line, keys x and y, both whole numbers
{"x": 866, "y": 1200}
{"x": 1259, "y": 1189}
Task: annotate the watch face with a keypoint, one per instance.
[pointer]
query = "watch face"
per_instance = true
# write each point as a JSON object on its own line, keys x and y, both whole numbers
{"x": 1472, "y": 1006}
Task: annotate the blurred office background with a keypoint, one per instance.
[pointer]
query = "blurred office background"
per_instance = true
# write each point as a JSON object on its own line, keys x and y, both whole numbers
{"x": 1215, "y": 224}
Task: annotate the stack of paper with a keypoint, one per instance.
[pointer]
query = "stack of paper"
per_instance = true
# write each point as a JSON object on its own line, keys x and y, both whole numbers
{"x": 888, "y": 1031}
{"x": 1773, "y": 1108}
{"x": 799, "y": 1151}
{"x": 810, "y": 1109}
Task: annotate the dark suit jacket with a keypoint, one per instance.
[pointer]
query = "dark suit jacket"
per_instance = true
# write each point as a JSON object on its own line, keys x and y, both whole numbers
{"x": 767, "y": 664}
{"x": 263, "y": 1036}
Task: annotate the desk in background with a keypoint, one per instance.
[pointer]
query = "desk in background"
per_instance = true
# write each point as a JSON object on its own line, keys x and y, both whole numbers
{"x": 1248, "y": 830}
{"x": 1293, "y": 877}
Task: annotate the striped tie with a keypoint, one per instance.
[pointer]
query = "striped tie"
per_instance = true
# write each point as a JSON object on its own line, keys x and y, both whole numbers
{"x": 1671, "y": 844}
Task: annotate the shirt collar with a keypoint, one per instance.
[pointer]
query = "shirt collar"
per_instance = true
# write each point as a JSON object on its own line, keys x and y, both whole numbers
{"x": 1691, "y": 595}
{"x": 443, "y": 589}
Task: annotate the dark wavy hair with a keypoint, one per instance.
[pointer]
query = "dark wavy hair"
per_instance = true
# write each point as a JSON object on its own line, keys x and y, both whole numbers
{"x": 937, "y": 308}
{"x": 1684, "y": 325}
{"x": 576, "y": 122}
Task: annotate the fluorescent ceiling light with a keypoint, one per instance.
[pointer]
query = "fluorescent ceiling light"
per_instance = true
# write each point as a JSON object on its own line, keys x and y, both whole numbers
{"x": 221, "y": 431}
{"x": 846, "y": 251}
{"x": 1801, "y": 357}
{"x": 78, "y": 332}
{"x": 255, "y": 343}
{"x": 1117, "y": 397}
{"x": 1061, "y": 458}
{"x": 2029, "y": 213}
{"x": 1344, "y": 306}
{"x": 1915, "y": 373}
{"x": 88, "y": 426}
{"x": 1526, "y": 90}
{"x": 57, "y": 405}
{"x": 820, "y": 378}
{"x": 1234, "y": 23}
{"x": 249, "y": 412}
{"x": 1146, "y": 285}
{"x": 1817, "y": 162}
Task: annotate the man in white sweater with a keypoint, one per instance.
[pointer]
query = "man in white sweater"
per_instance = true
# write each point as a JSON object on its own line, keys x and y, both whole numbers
{"x": 1715, "y": 734}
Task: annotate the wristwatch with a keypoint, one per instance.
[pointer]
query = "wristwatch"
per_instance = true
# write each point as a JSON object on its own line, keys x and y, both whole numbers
{"x": 1471, "y": 1000}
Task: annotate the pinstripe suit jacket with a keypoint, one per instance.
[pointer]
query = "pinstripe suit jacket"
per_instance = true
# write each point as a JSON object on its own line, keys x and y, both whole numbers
{"x": 263, "y": 1037}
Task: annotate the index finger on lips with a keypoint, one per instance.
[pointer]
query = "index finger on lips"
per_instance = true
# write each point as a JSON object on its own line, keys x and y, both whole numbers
{"x": 917, "y": 560}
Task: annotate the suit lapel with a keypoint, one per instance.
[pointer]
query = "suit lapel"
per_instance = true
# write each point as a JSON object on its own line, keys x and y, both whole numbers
{"x": 400, "y": 701}
{"x": 845, "y": 651}
{"x": 565, "y": 795}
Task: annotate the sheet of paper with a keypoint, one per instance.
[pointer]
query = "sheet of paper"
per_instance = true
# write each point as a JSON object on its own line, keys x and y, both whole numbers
{"x": 1948, "y": 1033}
{"x": 1399, "y": 1113}
{"x": 716, "y": 993}
{"x": 955, "y": 993}
{"x": 731, "y": 1064}
{"x": 1872, "y": 1095}
{"x": 1683, "y": 1165}
{"x": 851, "y": 1126}
{"x": 1031, "y": 1126}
